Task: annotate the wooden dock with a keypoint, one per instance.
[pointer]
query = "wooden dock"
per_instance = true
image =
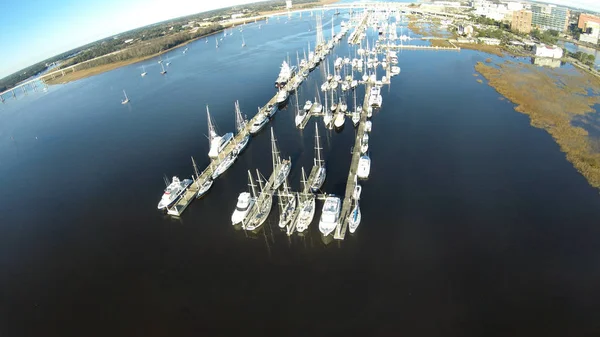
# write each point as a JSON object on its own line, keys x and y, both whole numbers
{"x": 340, "y": 231}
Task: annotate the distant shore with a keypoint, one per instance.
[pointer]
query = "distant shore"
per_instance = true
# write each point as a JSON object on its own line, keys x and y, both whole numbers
{"x": 96, "y": 70}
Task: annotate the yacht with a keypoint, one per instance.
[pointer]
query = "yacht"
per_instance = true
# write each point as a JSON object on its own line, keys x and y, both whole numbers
{"x": 354, "y": 218}
{"x": 364, "y": 167}
{"x": 319, "y": 163}
{"x": 330, "y": 215}
{"x": 364, "y": 143}
{"x": 218, "y": 143}
{"x": 173, "y": 191}
{"x": 285, "y": 74}
{"x": 224, "y": 164}
{"x": 245, "y": 202}
{"x": 282, "y": 97}
{"x": 259, "y": 122}
{"x": 271, "y": 110}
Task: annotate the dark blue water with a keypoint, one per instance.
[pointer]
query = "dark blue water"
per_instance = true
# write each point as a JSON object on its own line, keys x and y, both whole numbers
{"x": 474, "y": 223}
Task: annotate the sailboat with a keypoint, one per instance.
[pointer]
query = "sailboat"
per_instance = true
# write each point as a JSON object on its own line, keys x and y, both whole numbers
{"x": 168, "y": 62}
{"x": 143, "y": 71}
{"x": 217, "y": 42}
{"x": 243, "y": 41}
{"x": 245, "y": 203}
{"x": 217, "y": 143}
{"x": 319, "y": 164}
{"x": 163, "y": 69}
{"x": 126, "y": 100}
{"x": 203, "y": 186}
{"x": 281, "y": 168}
{"x": 356, "y": 113}
{"x": 354, "y": 217}
{"x": 287, "y": 205}
{"x": 328, "y": 117}
{"x": 306, "y": 207}
{"x": 264, "y": 204}
{"x": 340, "y": 116}
{"x": 240, "y": 125}
{"x": 300, "y": 114}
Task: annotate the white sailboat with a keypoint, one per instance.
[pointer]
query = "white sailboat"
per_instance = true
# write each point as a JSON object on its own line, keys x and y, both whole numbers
{"x": 287, "y": 205}
{"x": 204, "y": 185}
{"x": 301, "y": 114}
{"x": 306, "y": 207}
{"x": 168, "y": 62}
{"x": 263, "y": 204}
{"x": 356, "y": 113}
{"x": 281, "y": 168}
{"x": 126, "y": 100}
{"x": 319, "y": 164}
{"x": 240, "y": 125}
{"x": 243, "y": 41}
{"x": 354, "y": 217}
{"x": 143, "y": 71}
{"x": 217, "y": 143}
{"x": 163, "y": 69}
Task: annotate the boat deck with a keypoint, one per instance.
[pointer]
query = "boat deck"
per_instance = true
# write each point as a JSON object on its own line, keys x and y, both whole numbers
{"x": 340, "y": 231}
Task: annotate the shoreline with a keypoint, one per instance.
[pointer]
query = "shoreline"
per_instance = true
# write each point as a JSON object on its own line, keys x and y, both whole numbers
{"x": 97, "y": 70}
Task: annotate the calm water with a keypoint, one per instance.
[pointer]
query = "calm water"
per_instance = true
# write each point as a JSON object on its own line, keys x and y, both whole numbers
{"x": 473, "y": 222}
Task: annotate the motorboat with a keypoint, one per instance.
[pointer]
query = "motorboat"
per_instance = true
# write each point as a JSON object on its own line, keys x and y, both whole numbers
{"x": 245, "y": 202}
{"x": 357, "y": 191}
{"x": 354, "y": 218}
{"x": 285, "y": 74}
{"x": 271, "y": 110}
{"x": 224, "y": 164}
{"x": 218, "y": 143}
{"x": 259, "y": 122}
{"x": 282, "y": 97}
{"x": 364, "y": 167}
{"x": 364, "y": 143}
{"x": 325, "y": 86}
{"x": 330, "y": 215}
{"x": 370, "y": 111}
{"x": 342, "y": 106}
{"x": 173, "y": 191}
{"x": 395, "y": 70}
{"x": 368, "y": 126}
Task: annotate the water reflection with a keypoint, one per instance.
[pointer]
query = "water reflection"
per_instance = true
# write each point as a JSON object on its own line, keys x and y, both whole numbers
{"x": 546, "y": 62}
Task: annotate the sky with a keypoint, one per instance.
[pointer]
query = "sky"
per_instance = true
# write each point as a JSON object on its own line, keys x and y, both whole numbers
{"x": 34, "y": 30}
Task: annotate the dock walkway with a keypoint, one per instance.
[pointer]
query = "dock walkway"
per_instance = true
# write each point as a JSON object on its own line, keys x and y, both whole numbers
{"x": 340, "y": 231}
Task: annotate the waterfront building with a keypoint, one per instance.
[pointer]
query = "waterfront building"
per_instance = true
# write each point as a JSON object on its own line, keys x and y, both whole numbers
{"x": 550, "y": 17}
{"x": 584, "y": 18}
{"x": 521, "y": 21}
{"x": 542, "y": 50}
{"x": 591, "y": 32}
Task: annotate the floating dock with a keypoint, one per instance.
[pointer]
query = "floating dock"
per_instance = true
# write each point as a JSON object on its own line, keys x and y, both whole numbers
{"x": 340, "y": 231}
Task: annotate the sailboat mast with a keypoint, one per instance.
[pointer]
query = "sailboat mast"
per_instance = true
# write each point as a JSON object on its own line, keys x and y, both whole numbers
{"x": 319, "y": 161}
{"x": 258, "y": 175}
{"x": 304, "y": 182}
{"x": 274, "y": 151}
{"x": 211, "y": 128}
{"x": 251, "y": 184}
{"x": 196, "y": 172}
{"x": 124, "y": 93}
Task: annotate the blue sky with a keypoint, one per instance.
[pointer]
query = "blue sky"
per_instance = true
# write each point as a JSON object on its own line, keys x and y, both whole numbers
{"x": 34, "y": 30}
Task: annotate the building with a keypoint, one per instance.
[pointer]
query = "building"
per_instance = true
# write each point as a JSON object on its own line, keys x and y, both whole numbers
{"x": 591, "y": 32}
{"x": 583, "y": 18}
{"x": 514, "y": 6}
{"x": 288, "y": 4}
{"x": 490, "y": 10}
{"x": 550, "y": 17}
{"x": 236, "y": 16}
{"x": 542, "y": 50}
{"x": 489, "y": 41}
{"x": 521, "y": 21}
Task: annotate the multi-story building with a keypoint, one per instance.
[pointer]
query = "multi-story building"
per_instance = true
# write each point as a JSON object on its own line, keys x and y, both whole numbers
{"x": 550, "y": 17}
{"x": 521, "y": 21}
{"x": 591, "y": 32}
{"x": 584, "y": 18}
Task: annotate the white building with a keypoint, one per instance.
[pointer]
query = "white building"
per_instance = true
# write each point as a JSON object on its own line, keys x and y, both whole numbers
{"x": 236, "y": 16}
{"x": 491, "y": 10}
{"x": 489, "y": 41}
{"x": 514, "y": 6}
{"x": 288, "y": 4}
{"x": 592, "y": 34}
{"x": 542, "y": 50}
